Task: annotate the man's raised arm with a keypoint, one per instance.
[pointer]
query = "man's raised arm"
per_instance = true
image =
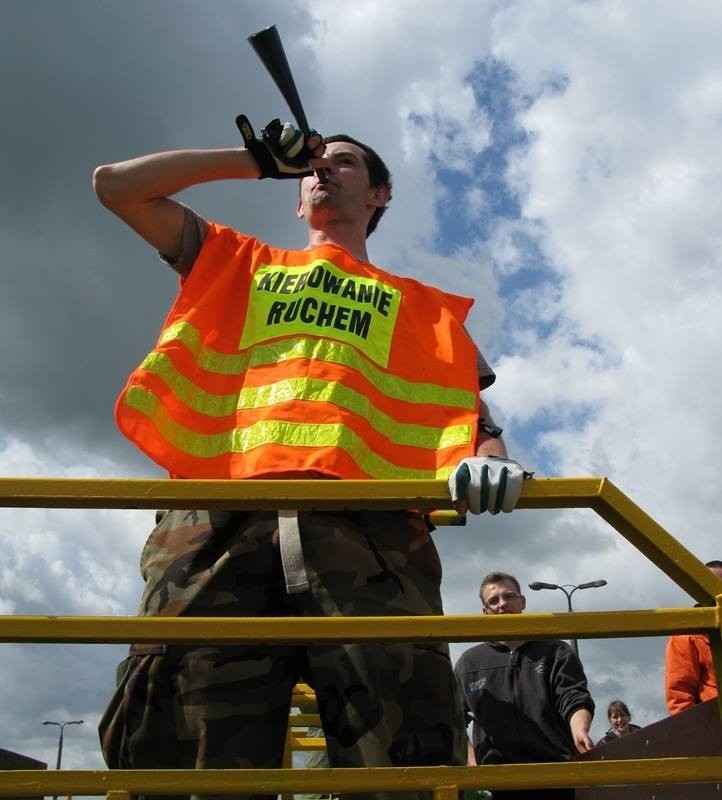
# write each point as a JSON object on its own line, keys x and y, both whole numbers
{"x": 137, "y": 190}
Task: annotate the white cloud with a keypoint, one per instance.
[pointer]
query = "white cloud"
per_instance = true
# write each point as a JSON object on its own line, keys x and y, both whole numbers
{"x": 397, "y": 77}
{"x": 448, "y": 125}
{"x": 621, "y": 174}
{"x": 68, "y": 561}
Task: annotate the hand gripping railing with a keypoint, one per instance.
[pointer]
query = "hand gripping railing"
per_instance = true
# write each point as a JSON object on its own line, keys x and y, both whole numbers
{"x": 445, "y": 782}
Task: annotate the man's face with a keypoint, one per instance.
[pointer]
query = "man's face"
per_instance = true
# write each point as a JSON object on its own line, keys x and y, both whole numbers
{"x": 347, "y": 194}
{"x": 717, "y": 571}
{"x": 502, "y": 598}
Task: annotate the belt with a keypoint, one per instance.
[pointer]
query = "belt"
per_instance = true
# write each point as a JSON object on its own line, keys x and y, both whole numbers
{"x": 289, "y": 539}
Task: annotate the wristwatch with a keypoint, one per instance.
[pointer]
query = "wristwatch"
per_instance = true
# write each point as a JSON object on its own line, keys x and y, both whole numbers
{"x": 488, "y": 427}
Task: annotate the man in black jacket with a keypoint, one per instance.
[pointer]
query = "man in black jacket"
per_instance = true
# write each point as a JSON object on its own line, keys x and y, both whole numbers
{"x": 528, "y": 700}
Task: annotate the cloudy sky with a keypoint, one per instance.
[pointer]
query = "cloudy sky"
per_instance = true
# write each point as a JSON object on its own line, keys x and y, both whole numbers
{"x": 559, "y": 161}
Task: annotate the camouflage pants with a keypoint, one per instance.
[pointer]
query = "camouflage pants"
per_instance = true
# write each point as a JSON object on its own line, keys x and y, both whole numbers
{"x": 227, "y": 707}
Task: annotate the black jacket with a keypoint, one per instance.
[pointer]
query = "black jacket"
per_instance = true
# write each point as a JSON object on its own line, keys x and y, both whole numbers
{"x": 520, "y": 701}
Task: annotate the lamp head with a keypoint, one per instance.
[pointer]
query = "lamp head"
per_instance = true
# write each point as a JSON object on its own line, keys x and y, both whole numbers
{"x": 592, "y": 584}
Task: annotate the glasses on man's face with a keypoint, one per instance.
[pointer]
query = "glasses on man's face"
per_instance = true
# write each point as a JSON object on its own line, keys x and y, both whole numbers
{"x": 495, "y": 599}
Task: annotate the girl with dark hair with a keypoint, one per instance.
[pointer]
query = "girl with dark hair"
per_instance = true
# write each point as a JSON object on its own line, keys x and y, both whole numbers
{"x": 620, "y": 721}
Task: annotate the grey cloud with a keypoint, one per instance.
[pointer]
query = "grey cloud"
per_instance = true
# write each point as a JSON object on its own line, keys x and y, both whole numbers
{"x": 82, "y": 298}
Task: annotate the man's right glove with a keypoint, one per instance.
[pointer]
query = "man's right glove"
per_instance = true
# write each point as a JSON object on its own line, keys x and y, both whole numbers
{"x": 281, "y": 151}
{"x": 487, "y": 483}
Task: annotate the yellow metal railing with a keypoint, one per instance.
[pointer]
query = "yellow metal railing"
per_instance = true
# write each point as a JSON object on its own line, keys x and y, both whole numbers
{"x": 597, "y": 494}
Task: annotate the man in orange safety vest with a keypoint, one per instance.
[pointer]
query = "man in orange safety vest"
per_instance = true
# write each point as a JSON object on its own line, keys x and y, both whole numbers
{"x": 307, "y": 363}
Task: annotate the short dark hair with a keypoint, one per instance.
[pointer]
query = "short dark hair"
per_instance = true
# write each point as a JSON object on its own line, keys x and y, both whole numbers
{"x": 714, "y": 563}
{"x": 498, "y": 577}
{"x": 379, "y": 174}
{"x": 620, "y": 707}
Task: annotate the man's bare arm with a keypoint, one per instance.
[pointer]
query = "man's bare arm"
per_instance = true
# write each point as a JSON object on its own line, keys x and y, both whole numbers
{"x": 579, "y": 723}
{"x": 470, "y": 755}
{"x": 137, "y": 190}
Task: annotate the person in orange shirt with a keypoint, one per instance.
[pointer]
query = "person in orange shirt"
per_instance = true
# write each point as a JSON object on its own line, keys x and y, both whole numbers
{"x": 689, "y": 676}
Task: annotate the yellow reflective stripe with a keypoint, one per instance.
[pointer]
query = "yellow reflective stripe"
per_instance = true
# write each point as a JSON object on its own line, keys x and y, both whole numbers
{"x": 291, "y": 434}
{"x": 277, "y": 352}
{"x": 311, "y": 389}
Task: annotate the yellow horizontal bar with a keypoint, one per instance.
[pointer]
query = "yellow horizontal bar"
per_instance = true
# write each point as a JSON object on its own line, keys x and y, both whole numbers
{"x": 560, "y": 492}
{"x": 455, "y": 628}
{"x": 445, "y": 517}
{"x": 598, "y": 494}
{"x": 270, "y": 781}
{"x": 304, "y": 720}
{"x": 230, "y": 495}
{"x": 262, "y": 494}
{"x": 307, "y": 743}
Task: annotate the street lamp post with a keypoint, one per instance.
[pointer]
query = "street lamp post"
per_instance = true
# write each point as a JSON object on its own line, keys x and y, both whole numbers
{"x": 61, "y": 725}
{"x": 568, "y": 589}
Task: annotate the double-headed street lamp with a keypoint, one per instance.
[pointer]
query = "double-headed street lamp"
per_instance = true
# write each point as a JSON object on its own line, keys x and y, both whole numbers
{"x": 568, "y": 589}
{"x": 61, "y": 725}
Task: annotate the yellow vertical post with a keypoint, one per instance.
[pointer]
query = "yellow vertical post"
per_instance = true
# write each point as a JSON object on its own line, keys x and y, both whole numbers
{"x": 288, "y": 757}
{"x": 446, "y": 793}
{"x": 715, "y": 643}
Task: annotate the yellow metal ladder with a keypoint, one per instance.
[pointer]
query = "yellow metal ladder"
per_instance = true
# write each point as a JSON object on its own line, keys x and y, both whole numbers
{"x": 597, "y": 494}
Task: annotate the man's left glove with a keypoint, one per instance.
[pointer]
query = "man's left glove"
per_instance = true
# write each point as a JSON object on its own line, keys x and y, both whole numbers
{"x": 487, "y": 483}
{"x": 281, "y": 151}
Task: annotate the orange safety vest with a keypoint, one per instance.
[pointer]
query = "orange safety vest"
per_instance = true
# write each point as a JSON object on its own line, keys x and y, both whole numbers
{"x": 304, "y": 363}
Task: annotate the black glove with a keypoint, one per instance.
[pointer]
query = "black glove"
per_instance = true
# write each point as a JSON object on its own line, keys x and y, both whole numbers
{"x": 281, "y": 151}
